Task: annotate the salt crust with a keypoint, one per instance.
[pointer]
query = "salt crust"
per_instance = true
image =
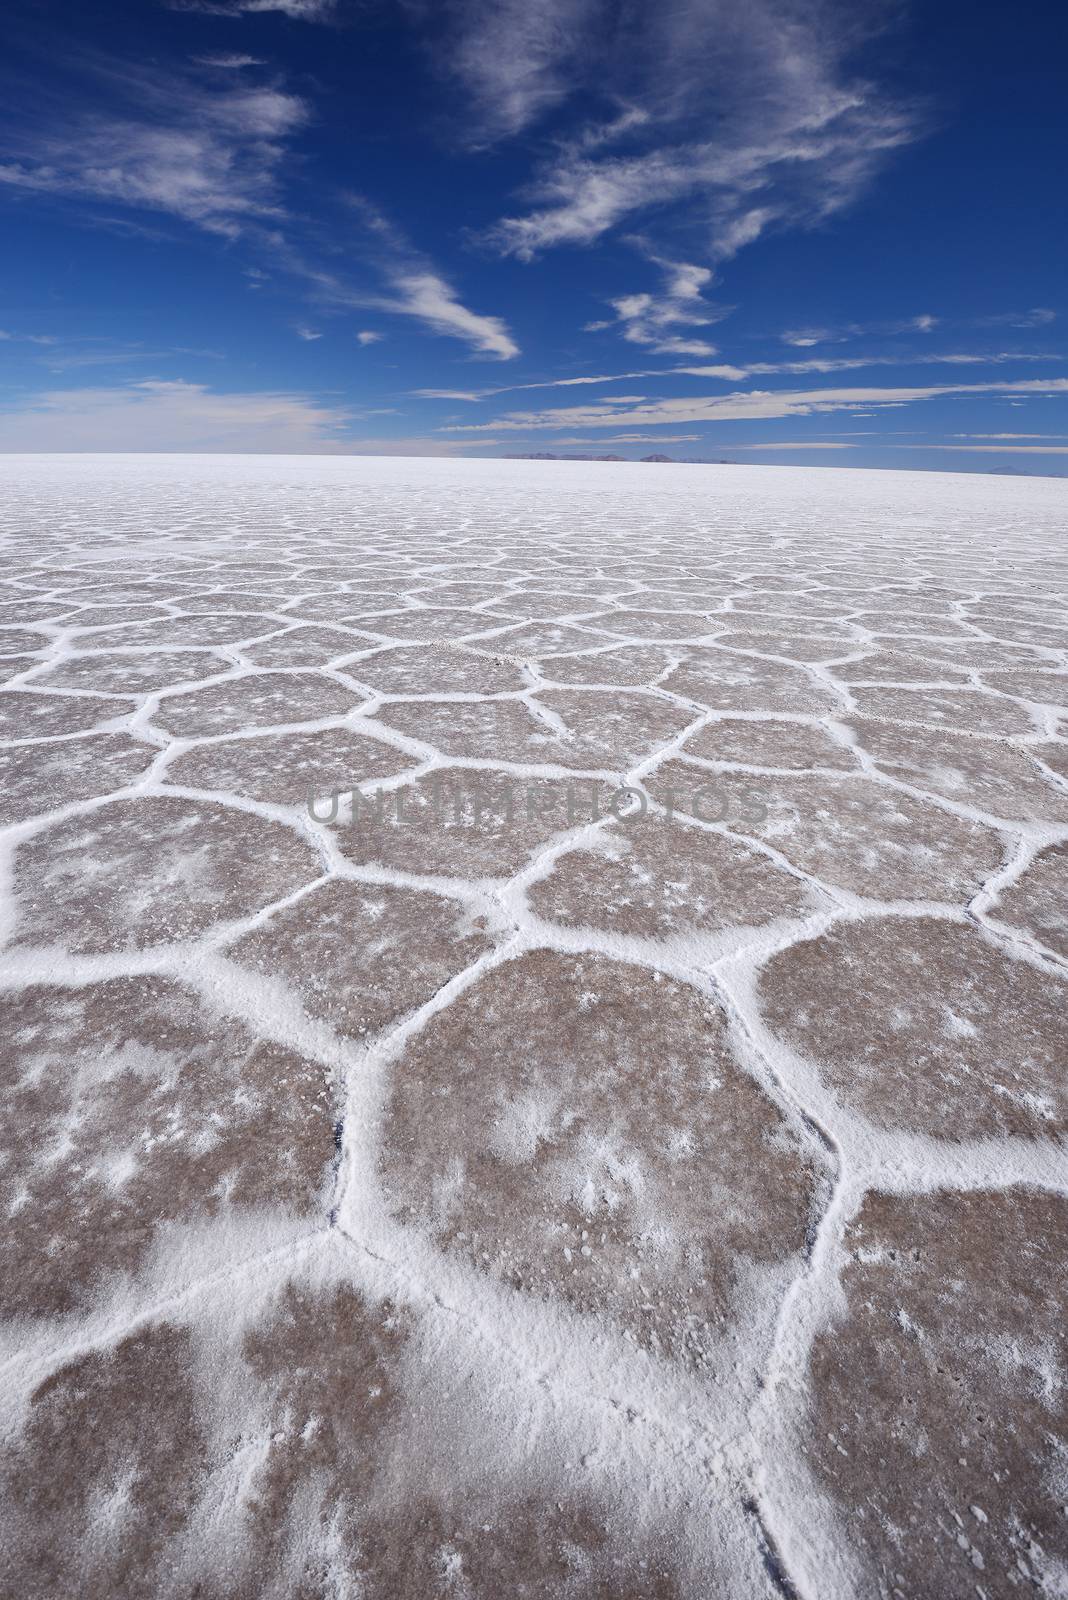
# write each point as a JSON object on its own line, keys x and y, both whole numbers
{"x": 516, "y": 1421}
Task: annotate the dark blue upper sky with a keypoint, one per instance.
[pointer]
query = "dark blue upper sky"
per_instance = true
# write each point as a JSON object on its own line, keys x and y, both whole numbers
{"x": 778, "y": 230}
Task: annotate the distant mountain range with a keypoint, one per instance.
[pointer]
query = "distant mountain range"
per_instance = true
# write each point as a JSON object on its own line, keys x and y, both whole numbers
{"x": 548, "y": 455}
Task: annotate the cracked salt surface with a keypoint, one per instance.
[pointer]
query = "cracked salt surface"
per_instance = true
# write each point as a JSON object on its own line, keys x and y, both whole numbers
{"x": 586, "y": 1204}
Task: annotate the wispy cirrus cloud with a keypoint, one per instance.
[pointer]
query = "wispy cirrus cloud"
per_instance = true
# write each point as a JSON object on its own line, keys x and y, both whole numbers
{"x": 414, "y": 287}
{"x": 212, "y": 155}
{"x": 229, "y": 63}
{"x": 807, "y": 338}
{"x": 299, "y": 10}
{"x": 632, "y": 438}
{"x": 1002, "y": 449}
{"x": 749, "y": 114}
{"x": 207, "y": 153}
{"x": 732, "y": 373}
{"x": 1037, "y": 317}
{"x": 654, "y": 320}
{"x": 516, "y": 59}
{"x": 427, "y": 297}
{"x": 752, "y": 405}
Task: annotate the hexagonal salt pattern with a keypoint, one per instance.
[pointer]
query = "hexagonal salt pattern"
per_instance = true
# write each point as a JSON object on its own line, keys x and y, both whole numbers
{"x": 532, "y": 1032}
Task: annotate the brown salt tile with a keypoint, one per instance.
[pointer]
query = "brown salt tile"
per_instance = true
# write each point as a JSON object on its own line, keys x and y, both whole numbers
{"x": 465, "y": 822}
{"x": 801, "y": 604}
{"x": 42, "y": 777}
{"x": 129, "y": 1107}
{"x": 132, "y": 674}
{"x": 617, "y": 730}
{"x": 1051, "y": 634}
{"x": 362, "y": 956}
{"x": 25, "y": 610}
{"x": 977, "y": 655}
{"x": 284, "y": 768}
{"x": 917, "y": 628}
{"x": 1045, "y": 688}
{"x": 579, "y": 1129}
{"x": 25, "y": 714}
{"x": 889, "y": 667}
{"x": 12, "y": 667}
{"x": 106, "y": 1473}
{"x": 848, "y": 831}
{"x": 601, "y": 731}
{"x": 980, "y": 773}
{"x": 430, "y": 624}
{"x": 656, "y": 878}
{"x": 330, "y": 1366}
{"x": 341, "y": 605}
{"x": 489, "y": 730}
{"x": 203, "y": 630}
{"x": 151, "y": 870}
{"x": 535, "y": 640}
{"x": 654, "y": 624}
{"x": 936, "y": 1414}
{"x": 261, "y": 699}
{"x": 964, "y": 710}
{"x": 725, "y": 681}
{"x": 925, "y": 1025}
{"x": 1037, "y": 903}
{"x": 768, "y": 743}
{"x": 797, "y": 646}
{"x": 436, "y": 669}
{"x": 546, "y": 602}
{"x": 335, "y": 1371}
{"x": 19, "y": 642}
{"x": 630, "y": 666}
{"x": 1054, "y": 755}
{"x": 306, "y": 647}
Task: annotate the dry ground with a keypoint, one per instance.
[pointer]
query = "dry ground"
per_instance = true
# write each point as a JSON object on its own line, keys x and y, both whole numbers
{"x": 503, "y": 1184}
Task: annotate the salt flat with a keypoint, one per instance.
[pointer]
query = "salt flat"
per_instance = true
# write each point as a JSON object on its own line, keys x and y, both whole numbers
{"x": 619, "y": 1153}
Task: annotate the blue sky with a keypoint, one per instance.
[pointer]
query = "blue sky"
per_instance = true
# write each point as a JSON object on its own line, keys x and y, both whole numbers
{"x": 784, "y": 230}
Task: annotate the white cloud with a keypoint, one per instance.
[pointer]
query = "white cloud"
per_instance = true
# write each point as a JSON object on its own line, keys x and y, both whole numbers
{"x": 171, "y": 416}
{"x": 229, "y": 63}
{"x": 633, "y": 438}
{"x": 730, "y": 373}
{"x": 300, "y": 10}
{"x": 516, "y": 58}
{"x": 415, "y": 289}
{"x": 1002, "y": 449}
{"x": 427, "y": 297}
{"x": 416, "y": 446}
{"x": 757, "y": 369}
{"x": 452, "y": 394}
{"x": 1037, "y": 317}
{"x": 29, "y": 338}
{"x": 805, "y": 338}
{"x": 206, "y": 154}
{"x": 368, "y": 336}
{"x": 651, "y": 320}
{"x": 746, "y": 112}
{"x": 310, "y": 334}
{"x": 752, "y": 405}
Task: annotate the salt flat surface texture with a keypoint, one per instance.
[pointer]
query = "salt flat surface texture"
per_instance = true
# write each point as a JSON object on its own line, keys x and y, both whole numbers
{"x": 482, "y": 1197}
